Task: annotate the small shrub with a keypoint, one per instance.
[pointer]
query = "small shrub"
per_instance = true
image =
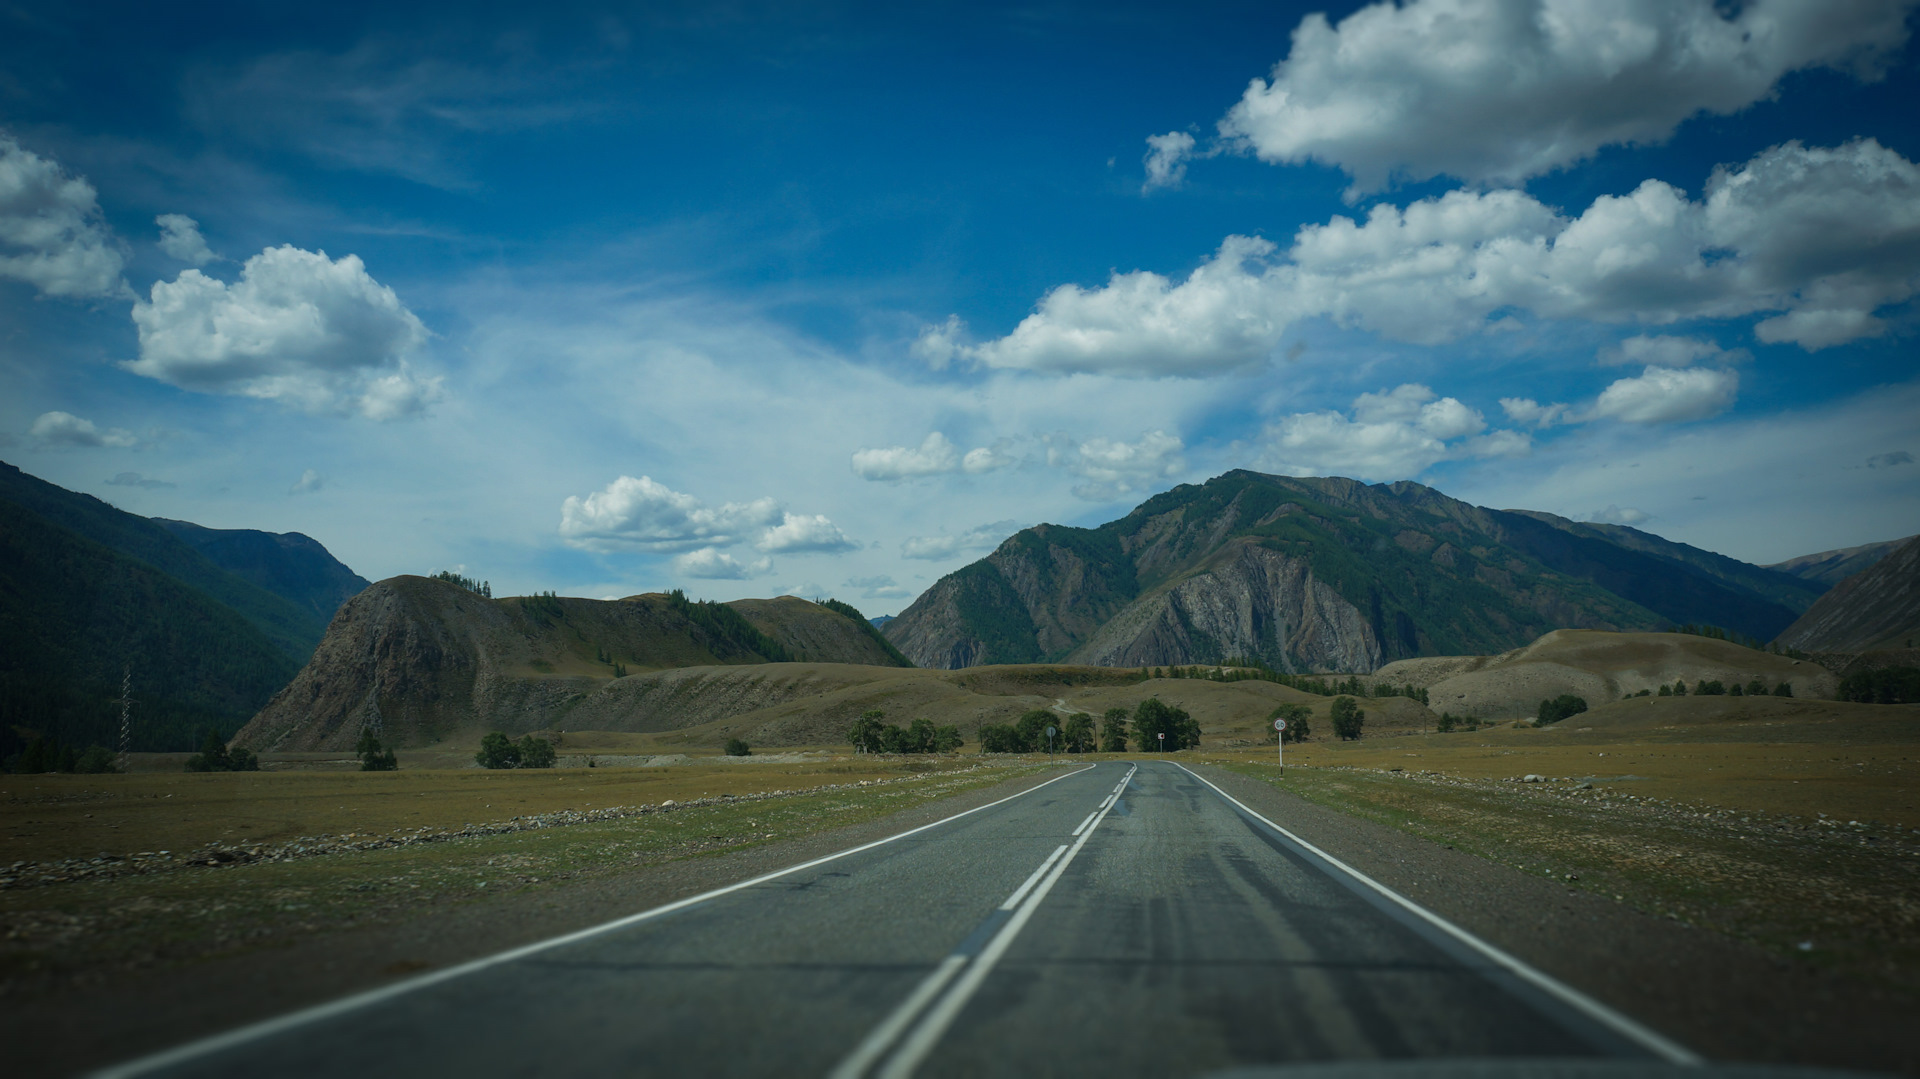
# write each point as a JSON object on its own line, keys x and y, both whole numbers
{"x": 374, "y": 757}
{"x": 97, "y": 760}
{"x": 1784, "y": 689}
{"x": 738, "y": 748}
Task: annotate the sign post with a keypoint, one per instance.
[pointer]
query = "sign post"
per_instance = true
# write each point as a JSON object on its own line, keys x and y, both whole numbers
{"x": 1163, "y": 741}
{"x": 1050, "y": 733}
{"x": 1280, "y": 729}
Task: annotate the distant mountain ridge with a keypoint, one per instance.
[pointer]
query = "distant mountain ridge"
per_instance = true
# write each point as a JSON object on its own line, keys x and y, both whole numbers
{"x": 211, "y": 622}
{"x": 1320, "y": 574}
{"x": 291, "y": 565}
{"x": 1832, "y": 567}
{"x": 1878, "y": 608}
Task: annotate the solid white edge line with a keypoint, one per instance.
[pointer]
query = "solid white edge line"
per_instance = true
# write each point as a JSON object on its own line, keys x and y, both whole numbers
{"x": 933, "y": 1025}
{"x": 1659, "y": 1044}
{"x": 882, "y": 1036}
{"x": 1032, "y": 879}
{"x": 268, "y": 1027}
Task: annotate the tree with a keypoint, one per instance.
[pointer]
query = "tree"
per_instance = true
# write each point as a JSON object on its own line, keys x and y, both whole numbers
{"x": 241, "y": 759}
{"x": 497, "y": 751}
{"x": 1113, "y": 731}
{"x": 1680, "y": 688}
{"x": 97, "y": 760}
{"x": 1559, "y": 708}
{"x": 375, "y": 757}
{"x": 1347, "y": 718}
{"x": 1299, "y": 729}
{"x": 920, "y": 736}
{"x": 738, "y": 748}
{"x": 1155, "y": 717}
{"x": 1032, "y": 728}
{"x": 999, "y": 738}
{"x": 1784, "y": 689}
{"x": 946, "y": 739}
{"x": 535, "y": 752}
{"x": 212, "y": 756}
{"x": 1078, "y": 733}
{"x": 1666, "y": 690}
{"x": 866, "y": 733}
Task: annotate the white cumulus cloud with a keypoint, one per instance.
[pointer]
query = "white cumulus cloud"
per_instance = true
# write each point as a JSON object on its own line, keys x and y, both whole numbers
{"x": 1666, "y": 351}
{"x": 1528, "y": 412}
{"x": 1817, "y": 239}
{"x": 945, "y": 546}
{"x": 1391, "y": 435}
{"x": 180, "y": 239}
{"x": 316, "y": 333}
{"x": 52, "y": 234}
{"x": 801, "y": 532}
{"x": 1113, "y": 468}
{"x": 68, "y": 431}
{"x": 1669, "y": 395}
{"x": 878, "y": 587}
{"x": 1495, "y": 91}
{"x": 1166, "y": 159}
{"x": 935, "y": 456}
{"x": 309, "y": 482}
{"x": 641, "y": 514}
{"x": 713, "y": 564}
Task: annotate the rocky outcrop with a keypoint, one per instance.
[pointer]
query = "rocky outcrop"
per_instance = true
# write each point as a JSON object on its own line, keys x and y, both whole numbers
{"x": 1254, "y": 603}
{"x": 422, "y": 659}
{"x": 1874, "y": 609}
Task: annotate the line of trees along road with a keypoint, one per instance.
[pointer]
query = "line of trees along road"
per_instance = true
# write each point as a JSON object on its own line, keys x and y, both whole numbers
{"x": 1078, "y": 732}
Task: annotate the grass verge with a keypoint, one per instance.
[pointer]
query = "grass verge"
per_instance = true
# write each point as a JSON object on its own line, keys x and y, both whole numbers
{"x": 61, "y": 932}
{"x": 1843, "y": 894}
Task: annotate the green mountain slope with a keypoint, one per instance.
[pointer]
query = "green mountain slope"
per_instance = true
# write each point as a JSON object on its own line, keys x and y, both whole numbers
{"x": 1322, "y": 574}
{"x": 288, "y": 564}
{"x": 1829, "y": 568}
{"x": 73, "y": 612}
{"x": 292, "y": 627}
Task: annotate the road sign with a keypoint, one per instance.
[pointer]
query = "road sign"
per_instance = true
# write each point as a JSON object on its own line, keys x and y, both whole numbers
{"x": 1279, "y": 724}
{"x": 1051, "y": 732}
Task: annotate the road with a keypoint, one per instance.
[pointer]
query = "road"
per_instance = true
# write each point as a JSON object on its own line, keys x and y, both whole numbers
{"x": 1123, "y": 919}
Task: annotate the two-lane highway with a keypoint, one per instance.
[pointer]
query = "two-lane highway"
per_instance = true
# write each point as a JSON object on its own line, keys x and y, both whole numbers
{"x": 1121, "y": 919}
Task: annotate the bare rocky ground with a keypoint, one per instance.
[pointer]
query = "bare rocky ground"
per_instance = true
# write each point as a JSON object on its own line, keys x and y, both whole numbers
{"x": 1725, "y": 997}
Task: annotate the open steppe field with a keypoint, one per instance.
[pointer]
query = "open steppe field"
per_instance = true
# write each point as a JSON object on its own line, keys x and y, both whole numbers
{"x": 1793, "y": 825}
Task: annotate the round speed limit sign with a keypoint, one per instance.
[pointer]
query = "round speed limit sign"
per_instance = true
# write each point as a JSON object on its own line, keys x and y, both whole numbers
{"x": 1279, "y": 724}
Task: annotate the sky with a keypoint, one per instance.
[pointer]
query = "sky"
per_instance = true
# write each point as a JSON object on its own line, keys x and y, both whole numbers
{"x": 830, "y": 299}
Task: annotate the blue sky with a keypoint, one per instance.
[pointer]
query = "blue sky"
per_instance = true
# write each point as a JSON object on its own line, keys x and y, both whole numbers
{"x": 831, "y": 298}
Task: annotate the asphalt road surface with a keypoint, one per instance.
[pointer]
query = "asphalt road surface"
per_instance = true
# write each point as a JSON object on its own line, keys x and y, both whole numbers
{"x": 1120, "y": 920}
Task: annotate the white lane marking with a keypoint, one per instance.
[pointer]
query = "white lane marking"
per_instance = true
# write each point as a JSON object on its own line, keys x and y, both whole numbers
{"x": 1034, "y": 878}
{"x": 927, "y": 1033}
{"x": 883, "y": 1035}
{"x": 1670, "y": 1051}
{"x": 270, "y": 1027}
{"x": 1089, "y": 820}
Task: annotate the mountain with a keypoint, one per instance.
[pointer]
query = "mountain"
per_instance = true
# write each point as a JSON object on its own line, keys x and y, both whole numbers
{"x": 295, "y": 628}
{"x": 426, "y": 659}
{"x": 1323, "y": 574}
{"x": 1831, "y": 567}
{"x": 74, "y": 613}
{"x": 1878, "y": 608}
{"x": 288, "y": 564}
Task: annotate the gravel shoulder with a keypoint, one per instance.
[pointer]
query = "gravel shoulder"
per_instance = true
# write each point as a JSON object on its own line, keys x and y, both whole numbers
{"x": 1726, "y": 998}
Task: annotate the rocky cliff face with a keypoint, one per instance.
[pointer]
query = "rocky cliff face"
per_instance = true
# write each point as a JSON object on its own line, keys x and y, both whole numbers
{"x": 1322, "y": 574}
{"x": 1255, "y": 602}
{"x": 422, "y": 659}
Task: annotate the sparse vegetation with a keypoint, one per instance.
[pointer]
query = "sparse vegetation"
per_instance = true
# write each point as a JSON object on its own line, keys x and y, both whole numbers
{"x": 478, "y": 588}
{"x": 1448, "y": 723}
{"x": 737, "y": 747}
{"x": 871, "y": 630}
{"x": 499, "y": 751}
{"x": 728, "y": 627}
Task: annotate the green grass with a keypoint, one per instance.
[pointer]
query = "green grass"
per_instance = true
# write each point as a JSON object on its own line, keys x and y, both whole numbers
{"x": 185, "y": 914}
{"x": 1775, "y": 882}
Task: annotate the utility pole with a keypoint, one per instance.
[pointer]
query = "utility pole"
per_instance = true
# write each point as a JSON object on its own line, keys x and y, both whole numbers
{"x": 125, "y": 763}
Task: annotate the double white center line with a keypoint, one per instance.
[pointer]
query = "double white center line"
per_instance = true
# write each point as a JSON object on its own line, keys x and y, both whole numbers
{"x": 936, "y": 1002}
